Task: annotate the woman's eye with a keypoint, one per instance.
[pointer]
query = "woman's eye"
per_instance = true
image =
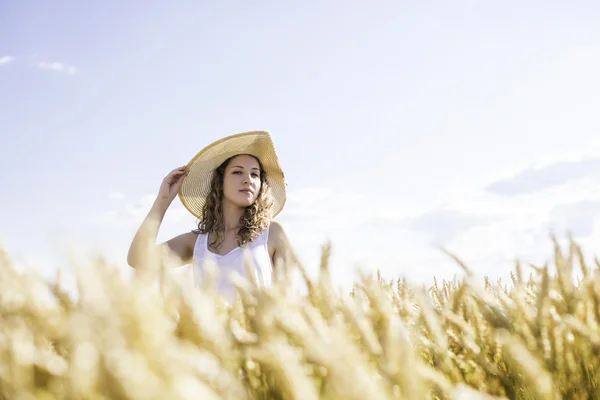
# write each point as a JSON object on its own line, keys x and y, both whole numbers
{"x": 255, "y": 175}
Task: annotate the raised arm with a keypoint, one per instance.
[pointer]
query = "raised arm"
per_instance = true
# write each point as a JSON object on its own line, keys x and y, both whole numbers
{"x": 144, "y": 244}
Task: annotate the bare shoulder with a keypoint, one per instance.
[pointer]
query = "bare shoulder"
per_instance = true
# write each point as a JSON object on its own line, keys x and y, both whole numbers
{"x": 182, "y": 246}
{"x": 276, "y": 232}
{"x": 278, "y": 243}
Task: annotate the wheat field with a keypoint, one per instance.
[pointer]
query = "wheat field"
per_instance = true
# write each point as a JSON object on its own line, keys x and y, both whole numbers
{"x": 155, "y": 337}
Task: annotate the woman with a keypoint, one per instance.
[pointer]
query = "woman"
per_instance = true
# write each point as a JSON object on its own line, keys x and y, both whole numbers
{"x": 234, "y": 186}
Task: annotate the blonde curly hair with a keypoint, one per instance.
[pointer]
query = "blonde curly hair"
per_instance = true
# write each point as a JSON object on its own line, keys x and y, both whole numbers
{"x": 255, "y": 219}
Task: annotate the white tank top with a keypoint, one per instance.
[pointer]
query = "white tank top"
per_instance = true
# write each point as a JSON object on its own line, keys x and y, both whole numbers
{"x": 234, "y": 262}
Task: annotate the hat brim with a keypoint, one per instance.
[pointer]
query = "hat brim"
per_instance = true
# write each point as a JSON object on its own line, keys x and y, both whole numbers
{"x": 196, "y": 185}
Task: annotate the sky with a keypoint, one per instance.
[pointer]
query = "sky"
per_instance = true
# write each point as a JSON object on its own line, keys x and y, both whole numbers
{"x": 402, "y": 127}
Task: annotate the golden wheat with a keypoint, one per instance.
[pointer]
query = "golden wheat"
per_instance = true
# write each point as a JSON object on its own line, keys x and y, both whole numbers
{"x": 117, "y": 339}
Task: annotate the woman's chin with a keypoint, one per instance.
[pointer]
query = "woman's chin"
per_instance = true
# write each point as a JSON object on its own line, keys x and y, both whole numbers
{"x": 243, "y": 203}
{"x": 246, "y": 199}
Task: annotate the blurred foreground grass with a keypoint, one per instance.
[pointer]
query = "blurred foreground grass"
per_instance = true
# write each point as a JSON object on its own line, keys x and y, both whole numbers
{"x": 537, "y": 338}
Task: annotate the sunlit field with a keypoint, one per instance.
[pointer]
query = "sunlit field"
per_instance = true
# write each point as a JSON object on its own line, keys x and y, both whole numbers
{"x": 155, "y": 337}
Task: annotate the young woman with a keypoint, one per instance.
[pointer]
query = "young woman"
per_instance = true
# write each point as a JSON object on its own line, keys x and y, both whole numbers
{"x": 234, "y": 186}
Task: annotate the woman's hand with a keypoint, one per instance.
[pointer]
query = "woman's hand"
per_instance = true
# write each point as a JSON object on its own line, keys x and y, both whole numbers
{"x": 171, "y": 184}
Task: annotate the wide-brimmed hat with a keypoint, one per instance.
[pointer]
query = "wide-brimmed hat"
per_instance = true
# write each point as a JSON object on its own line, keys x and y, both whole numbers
{"x": 196, "y": 185}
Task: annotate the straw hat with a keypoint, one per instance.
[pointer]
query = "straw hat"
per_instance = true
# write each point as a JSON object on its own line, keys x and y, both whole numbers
{"x": 196, "y": 185}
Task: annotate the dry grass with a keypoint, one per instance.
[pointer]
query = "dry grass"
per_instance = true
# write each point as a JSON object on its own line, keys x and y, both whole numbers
{"x": 537, "y": 339}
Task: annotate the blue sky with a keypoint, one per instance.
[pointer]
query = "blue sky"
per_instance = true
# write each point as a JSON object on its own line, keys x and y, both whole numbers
{"x": 401, "y": 126}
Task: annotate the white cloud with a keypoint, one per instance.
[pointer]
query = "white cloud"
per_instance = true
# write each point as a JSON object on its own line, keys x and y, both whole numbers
{"x": 537, "y": 178}
{"x": 6, "y": 59}
{"x": 366, "y": 232}
{"x": 488, "y": 230}
{"x": 57, "y": 67}
{"x": 131, "y": 215}
{"x": 561, "y": 197}
{"x": 331, "y": 210}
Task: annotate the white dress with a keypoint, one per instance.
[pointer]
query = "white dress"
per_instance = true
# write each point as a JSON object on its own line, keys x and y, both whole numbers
{"x": 234, "y": 262}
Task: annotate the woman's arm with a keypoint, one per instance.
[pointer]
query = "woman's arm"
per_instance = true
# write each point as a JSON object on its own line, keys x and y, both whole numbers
{"x": 143, "y": 246}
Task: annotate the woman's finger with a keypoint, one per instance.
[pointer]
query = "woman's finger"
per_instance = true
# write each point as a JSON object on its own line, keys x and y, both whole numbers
{"x": 176, "y": 173}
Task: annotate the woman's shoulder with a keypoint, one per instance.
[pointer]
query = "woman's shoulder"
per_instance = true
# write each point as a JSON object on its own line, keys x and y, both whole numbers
{"x": 275, "y": 228}
{"x": 190, "y": 238}
{"x": 277, "y": 233}
{"x": 182, "y": 245}
{"x": 279, "y": 244}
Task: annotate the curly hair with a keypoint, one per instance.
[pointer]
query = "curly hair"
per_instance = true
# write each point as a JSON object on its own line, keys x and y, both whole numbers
{"x": 255, "y": 219}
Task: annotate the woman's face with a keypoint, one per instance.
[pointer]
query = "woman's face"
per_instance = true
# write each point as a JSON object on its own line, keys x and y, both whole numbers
{"x": 241, "y": 182}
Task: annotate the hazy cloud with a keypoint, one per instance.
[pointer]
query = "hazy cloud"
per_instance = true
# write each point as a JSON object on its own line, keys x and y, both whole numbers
{"x": 446, "y": 224}
{"x": 57, "y": 67}
{"x": 578, "y": 218}
{"x": 6, "y": 59}
{"x": 132, "y": 214}
{"x": 535, "y": 179}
